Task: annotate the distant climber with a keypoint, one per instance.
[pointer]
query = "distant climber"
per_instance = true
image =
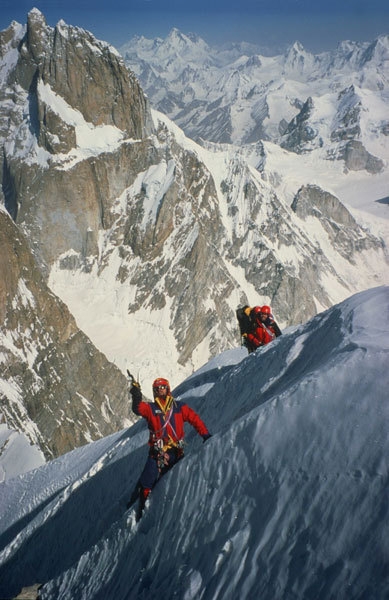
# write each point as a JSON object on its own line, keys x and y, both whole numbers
{"x": 165, "y": 418}
{"x": 257, "y": 326}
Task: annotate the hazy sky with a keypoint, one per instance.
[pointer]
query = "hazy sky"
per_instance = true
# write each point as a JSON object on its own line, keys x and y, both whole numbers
{"x": 317, "y": 24}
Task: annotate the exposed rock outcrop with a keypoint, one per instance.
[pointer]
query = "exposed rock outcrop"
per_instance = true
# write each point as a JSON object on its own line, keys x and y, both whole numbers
{"x": 346, "y": 236}
{"x": 347, "y": 130}
{"x": 61, "y": 57}
{"x": 70, "y": 88}
{"x": 55, "y": 386}
{"x": 357, "y": 158}
{"x": 300, "y": 134}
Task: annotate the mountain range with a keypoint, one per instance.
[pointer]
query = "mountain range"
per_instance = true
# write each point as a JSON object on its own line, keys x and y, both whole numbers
{"x": 143, "y": 239}
{"x": 297, "y": 100}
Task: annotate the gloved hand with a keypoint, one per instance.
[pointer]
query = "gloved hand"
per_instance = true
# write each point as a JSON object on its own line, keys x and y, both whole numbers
{"x": 206, "y": 437}
{"x": 135, "y": 391}
{"x": 134, "y": 384}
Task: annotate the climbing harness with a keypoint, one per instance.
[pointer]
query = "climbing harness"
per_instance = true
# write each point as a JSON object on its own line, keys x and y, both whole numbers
{"x": 162, "y": 444}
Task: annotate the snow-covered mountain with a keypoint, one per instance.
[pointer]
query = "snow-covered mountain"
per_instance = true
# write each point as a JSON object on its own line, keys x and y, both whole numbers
{"x": 152, "y": 240}
{"x": 288, "y": 499}
{"x": 239, "y": 96}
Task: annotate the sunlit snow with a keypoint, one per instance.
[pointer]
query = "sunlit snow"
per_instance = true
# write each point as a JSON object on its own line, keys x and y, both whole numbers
{"x": 125, "y": 338}
{"x": 288, "y": 499}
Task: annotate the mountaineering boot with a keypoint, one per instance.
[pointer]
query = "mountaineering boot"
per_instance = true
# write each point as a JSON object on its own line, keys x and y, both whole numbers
{"x": 143, "y": 495}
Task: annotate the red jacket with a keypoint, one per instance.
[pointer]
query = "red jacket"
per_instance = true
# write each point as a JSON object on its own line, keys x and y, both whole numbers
{"x": 261, "y": 335}
{"x": 169, "y": 427}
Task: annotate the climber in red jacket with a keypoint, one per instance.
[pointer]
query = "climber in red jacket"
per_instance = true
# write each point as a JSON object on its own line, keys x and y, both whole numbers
{"x": 165, "y": 418}
{"x": 265, "y": 329}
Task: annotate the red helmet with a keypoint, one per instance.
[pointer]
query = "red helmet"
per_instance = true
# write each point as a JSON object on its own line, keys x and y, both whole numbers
{"x": 160, "y": 382}
{"x": 256, "y": 311}
{"x": 266, "y": 310}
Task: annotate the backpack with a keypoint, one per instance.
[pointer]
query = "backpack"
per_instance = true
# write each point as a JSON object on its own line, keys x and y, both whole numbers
{"x": 245, "y": 324}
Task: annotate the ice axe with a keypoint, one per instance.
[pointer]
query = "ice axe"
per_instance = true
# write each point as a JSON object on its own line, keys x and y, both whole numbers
{"x": 132, "y": 379}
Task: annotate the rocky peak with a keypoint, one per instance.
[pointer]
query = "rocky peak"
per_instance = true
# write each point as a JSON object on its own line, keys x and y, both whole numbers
{"x": 345, "y": 234}
{"x": 377, "y": 51}
{"x": 10, "y": 37}
{"x": 38, "y": 35}
{"x": 297, "y": 59}
{"x": 299, "y": 134}
{"x": 311, "y": 200}
{"x": 66, "y": 94}
{"x": 87, "y": 74}
{"x": 346, "y": 124}
{"x": 346, "y": 129}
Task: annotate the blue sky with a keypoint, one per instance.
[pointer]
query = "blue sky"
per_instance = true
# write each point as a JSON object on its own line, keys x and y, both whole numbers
{"x": 318, "y": 25}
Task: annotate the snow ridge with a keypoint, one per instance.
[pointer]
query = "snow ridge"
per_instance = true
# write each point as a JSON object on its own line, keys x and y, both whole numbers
{"x": 287, "y": 499}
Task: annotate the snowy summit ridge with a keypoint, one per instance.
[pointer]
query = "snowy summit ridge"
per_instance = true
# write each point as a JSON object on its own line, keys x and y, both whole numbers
{"x": 287, "y": 499}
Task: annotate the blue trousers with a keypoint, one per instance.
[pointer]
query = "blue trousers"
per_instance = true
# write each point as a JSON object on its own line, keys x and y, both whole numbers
{"x": 152, "y": 470}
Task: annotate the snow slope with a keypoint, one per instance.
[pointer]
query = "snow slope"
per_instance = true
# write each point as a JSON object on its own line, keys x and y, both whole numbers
{"x": 287, "y": 500}
{"x": 17, "y": 455}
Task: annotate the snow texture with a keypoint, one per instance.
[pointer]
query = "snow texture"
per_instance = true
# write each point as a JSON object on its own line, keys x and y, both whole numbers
{"x": 287, "y": 500}
{"x": 17, "y": 456}
{"x": 124, "y": 338}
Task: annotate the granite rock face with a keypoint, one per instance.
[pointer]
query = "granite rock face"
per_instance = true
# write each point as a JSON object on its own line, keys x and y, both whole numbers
{"x": 342, "y": 229}
{"x": 55, "y": 386}
{"x": 88, "y": 75}
{"x": 64, "y": 86}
